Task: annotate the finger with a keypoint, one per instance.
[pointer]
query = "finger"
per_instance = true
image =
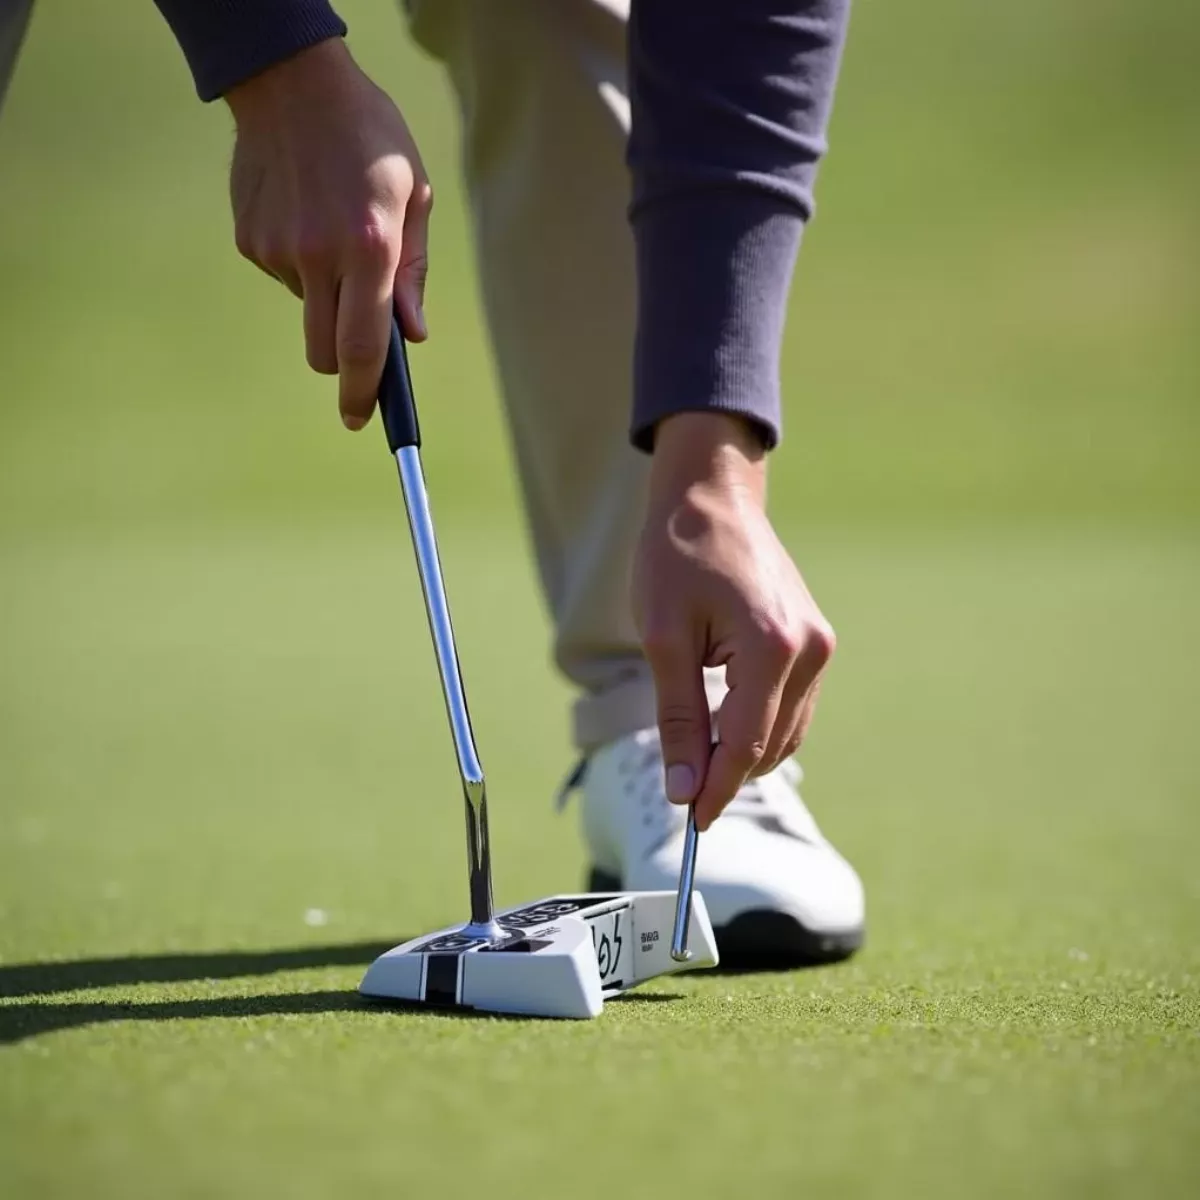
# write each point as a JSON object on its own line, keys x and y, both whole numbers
{"x": 745, "y": 723}
{"x": 799, "y": 697}
{"x": 364, "y": 324}
{"x": 791, "y": 705}
{"x": 414, "y": 264}
{"x": 798, "y": 732}
{"x": 806, "y": 715}
{"x": 683, "y": 717}
{"x": 320, "y": 325}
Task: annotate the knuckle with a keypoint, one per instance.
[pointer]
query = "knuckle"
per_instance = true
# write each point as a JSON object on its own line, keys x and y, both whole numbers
{"x": 780, "y": 644}
{"x": 422, "y": 196}
{"x": 372, "y": 242}
{"x": 820, "y": 644}
{"x": 663, "y": 644}
{"x": 416, "y": 269}
{"x": 746, "y": 753}
{"x": 677, "y": 723}
{"x": 354, "y": 350}
{"x": 271, "y": 255}
{"x": 313, "y": 250}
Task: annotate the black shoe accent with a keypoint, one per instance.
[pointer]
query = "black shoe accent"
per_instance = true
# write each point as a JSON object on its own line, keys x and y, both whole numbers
{"x": 574, "y": 780}
{"x": 762, "y": 939}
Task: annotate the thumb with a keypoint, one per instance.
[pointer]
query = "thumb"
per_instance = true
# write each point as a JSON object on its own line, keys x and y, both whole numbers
{"x": 683, "y": 718}
{"x": 414, "y": 264}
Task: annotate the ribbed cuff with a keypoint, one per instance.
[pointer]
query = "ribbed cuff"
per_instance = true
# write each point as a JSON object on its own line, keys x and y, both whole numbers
{"x": 227, "y": 42}
{"x": 714, "y": 269}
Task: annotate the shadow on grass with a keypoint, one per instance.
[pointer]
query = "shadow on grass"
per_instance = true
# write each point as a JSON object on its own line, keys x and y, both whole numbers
{"x": 35, "y": 1017}
{"x": 44, "y": 979}
{"x": 646, "y": 998}
{"x": 21, "y": 1021}
{"x": 18, "y": 1022}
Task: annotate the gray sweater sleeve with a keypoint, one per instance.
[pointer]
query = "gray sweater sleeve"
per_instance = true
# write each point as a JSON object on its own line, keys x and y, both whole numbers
{"x": 730, "y": 103}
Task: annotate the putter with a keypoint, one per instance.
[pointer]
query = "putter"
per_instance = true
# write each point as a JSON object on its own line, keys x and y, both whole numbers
{"x": 558, "y": 957}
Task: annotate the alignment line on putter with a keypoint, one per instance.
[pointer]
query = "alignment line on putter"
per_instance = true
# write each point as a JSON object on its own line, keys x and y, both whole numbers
{"x": 559, "y": 957}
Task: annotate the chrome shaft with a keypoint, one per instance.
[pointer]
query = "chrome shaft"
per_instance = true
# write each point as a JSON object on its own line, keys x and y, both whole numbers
{"x": 479, "y": 855}
{"x": 687, "y": 880}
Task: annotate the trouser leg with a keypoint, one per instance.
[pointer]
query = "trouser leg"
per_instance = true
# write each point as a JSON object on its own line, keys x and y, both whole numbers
{"x": 545, "y": 112}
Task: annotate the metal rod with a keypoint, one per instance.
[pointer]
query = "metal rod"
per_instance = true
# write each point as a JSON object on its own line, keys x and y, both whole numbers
{"x": 479, "y": 855}
{"x": 683, "y": 902}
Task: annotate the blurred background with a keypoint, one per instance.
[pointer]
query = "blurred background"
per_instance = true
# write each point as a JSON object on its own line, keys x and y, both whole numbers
{"x": 218, "y": 714}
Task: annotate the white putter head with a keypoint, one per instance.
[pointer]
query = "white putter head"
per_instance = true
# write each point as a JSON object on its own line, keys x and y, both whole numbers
{"x": 560, "y": 957}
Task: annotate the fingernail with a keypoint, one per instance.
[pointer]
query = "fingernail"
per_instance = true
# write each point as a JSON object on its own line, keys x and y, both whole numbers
{"x": 681, "y": 783}
{"x": 353, "y": 423}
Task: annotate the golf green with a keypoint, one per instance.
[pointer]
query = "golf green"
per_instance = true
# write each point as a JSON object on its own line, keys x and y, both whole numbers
{"x": 225, "y": 778}
{"x": 221, "y": 800}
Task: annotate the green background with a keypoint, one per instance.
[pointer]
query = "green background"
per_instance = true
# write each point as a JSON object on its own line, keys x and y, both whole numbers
{"x": 210, "y": 725}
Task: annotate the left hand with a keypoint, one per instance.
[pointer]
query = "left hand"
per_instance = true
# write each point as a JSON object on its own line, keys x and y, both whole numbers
{"x": 713, "y": 586}
{"x": 330, "y": 197}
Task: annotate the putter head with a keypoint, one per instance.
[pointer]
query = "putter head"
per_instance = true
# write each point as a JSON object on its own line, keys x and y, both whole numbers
{"x": 561, "y": 957}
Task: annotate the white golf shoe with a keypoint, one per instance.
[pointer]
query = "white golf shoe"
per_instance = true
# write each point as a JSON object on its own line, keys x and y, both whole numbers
{"x": 777, "y": 892}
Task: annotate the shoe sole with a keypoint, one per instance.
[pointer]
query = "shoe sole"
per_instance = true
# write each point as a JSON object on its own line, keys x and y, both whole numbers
{"x": 762, "y": 939}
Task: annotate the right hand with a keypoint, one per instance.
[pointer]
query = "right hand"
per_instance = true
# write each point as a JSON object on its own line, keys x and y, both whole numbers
{"x": 714, "y": 586}
{"x": 330, "y": 198}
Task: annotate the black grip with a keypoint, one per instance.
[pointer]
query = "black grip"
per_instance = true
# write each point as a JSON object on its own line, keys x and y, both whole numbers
{"x": 396, "y": 403}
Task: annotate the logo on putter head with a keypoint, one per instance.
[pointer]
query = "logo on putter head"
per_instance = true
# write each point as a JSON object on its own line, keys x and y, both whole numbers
{"x": 608, "y": 944}
{"x": 547, "y": 910}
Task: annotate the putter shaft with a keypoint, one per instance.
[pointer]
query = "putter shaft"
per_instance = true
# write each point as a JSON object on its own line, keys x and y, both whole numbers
{"x": 398, "y": 409}
{"x": 687, "y": 880}
{"x": 420, "y": 523}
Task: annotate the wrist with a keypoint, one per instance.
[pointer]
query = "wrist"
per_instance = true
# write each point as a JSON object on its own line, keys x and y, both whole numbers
{"x": 313, "y": 71}
{"x": 707, "y": 452}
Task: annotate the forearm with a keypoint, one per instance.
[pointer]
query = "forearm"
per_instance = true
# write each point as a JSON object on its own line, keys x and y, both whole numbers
{"x": 730, "y": 106}
{"x": 227, "y": 42}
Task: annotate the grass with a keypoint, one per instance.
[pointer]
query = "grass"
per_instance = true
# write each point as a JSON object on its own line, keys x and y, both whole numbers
{"x": 188, "y": 781}
{"x": 224, "y": 778}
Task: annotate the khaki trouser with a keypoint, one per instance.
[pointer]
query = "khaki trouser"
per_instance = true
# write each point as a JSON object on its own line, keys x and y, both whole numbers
{"x": 545, "y": 113}
{"x": 542, "y": 94}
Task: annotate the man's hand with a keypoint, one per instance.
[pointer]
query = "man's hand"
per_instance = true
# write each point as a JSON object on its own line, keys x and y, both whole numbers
{"x": 330, "y": 197}
{"x": 713, "y": 586}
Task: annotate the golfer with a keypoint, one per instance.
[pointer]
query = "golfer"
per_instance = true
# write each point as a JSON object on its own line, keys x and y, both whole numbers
{"x": 639, "y": 177}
